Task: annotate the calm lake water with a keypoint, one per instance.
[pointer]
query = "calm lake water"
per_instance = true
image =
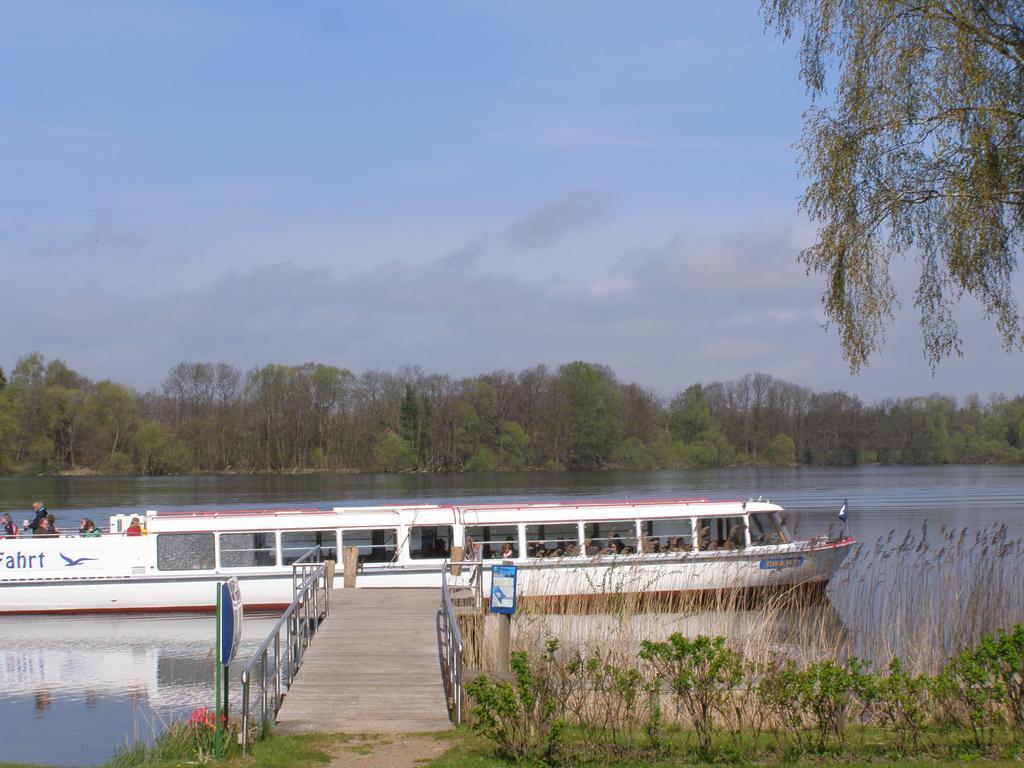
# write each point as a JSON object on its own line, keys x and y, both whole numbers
{"x": 73, "y": 689}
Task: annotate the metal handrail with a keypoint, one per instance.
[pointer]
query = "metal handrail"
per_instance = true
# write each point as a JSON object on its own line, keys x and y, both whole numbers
{"x": 300, "y": 622}
{"x": 449, "y": 636}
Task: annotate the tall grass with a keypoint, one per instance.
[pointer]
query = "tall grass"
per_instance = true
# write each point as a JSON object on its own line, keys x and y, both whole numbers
{"x": 921, "y": 598}
{"x": 925, "y": 597}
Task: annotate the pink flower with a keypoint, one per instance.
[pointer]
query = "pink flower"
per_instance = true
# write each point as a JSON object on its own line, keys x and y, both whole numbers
{"x": 202, "y": 718}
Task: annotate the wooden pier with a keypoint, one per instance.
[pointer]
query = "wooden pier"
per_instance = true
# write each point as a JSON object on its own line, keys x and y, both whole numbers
{"x": 372, "y": 668}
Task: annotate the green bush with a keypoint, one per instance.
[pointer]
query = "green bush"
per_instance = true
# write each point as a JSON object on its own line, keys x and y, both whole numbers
{"x": 701, "y": 674}
{"x": 903, "y": 702}
{"x": 524, "y": 718}
{"x": 827, "y": 694}
{"x": 1008, "y": 667}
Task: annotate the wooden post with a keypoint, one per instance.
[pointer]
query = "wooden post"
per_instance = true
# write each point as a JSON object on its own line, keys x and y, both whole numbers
{"x": 504, "y": 647}
{"x": 456, "y": 558}
{"x": 350, "y": 562}
{"x": 331, "y": 565}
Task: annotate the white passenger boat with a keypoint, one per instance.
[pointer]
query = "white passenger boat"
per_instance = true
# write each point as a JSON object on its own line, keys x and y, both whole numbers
{"x": 569, "y": 548}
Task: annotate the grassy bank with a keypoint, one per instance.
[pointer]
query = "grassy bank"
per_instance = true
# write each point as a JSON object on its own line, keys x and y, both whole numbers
{"x": 467, "y": 749}
{"x": 865, "y": 747}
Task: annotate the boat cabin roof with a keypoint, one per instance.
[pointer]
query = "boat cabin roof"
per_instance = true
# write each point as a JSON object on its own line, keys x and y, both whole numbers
{"x": 436, "y": 514}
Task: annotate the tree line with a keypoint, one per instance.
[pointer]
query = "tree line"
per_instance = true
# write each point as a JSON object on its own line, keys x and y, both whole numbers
{"x": 212, "y": 417}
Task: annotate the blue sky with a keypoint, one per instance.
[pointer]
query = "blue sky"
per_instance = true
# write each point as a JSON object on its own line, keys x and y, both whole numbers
{"x": 462, "y": 186}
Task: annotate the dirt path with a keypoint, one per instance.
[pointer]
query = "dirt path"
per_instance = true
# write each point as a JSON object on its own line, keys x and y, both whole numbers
{"x": 388, "y": 751}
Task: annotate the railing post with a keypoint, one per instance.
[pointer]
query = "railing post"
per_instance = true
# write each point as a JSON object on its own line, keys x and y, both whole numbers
{"x": 245, "y": 711}
{"x": 277, "y": 669}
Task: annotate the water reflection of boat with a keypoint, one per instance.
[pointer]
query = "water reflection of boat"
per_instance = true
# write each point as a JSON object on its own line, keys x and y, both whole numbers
{"x": 166, "y": 663}
{"x": 572, "y": 548}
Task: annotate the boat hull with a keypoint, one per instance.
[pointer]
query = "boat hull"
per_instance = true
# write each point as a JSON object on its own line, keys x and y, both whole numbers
{"x": 744, "y": 574}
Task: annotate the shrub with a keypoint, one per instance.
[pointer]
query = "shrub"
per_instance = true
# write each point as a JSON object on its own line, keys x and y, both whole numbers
{"x": 1007, "y": 660}
{"x": 781, "y": 690}
{"x": 827, "y": 694}
{"x": 903, "y": 701}
{"x": 700, "y": 673}
{"x": 524, "y": 717}
{"x": 970, "y": 681}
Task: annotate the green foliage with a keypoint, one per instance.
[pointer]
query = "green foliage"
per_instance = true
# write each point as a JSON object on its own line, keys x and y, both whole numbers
{"x": 827, "y": 694}
{"x": 482, "y": 460}
{"x": 1007, "y": 660}
{"x": 158, "y": 452}
{"x": 513, "y": 445}
{"x": 904, "y": 702}
{"x": 523, "y": 717}
{"x": 614, "y": 715}
{"x": 590, "y": 401}
{"x": 987, "y": 682}
{"x": 393, "y": 454}
{"x": 689, "y": 415}
{"x": 700, "y": 673}
{"x": 781, "y": 450}
{"x": 209, "y": 417}
{"x": 918, "y": 149}
{"x": 633, "y": 454}
{"x": 622, "y": 696}
{"x": 780, "y": 689}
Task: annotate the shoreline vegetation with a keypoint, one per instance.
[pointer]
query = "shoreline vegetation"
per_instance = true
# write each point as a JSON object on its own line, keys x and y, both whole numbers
{"x": 211, "y": 418}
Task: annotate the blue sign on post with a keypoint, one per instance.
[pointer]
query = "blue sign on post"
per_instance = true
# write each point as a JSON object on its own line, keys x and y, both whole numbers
{"x": 503, "y": 589}
{"x": 230, "y": 620}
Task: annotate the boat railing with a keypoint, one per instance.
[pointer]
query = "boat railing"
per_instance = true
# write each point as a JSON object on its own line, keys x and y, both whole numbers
{"x": 461, "y": 589}
{"x": 274, "y": 663}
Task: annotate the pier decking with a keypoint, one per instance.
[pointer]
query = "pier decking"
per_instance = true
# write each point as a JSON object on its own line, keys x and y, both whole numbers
{"x": 373, "y": 667}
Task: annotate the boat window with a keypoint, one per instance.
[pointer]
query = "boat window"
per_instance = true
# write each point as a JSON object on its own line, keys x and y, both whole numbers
{"x": 492, "y": 538}
{"x": 610, "y": 537}
{"x": 764, "y": 529}
{"x": 184, "y": 552}
{"x": 376, "y": 545}
{"x": 294, "y": 544}
{"x": 721, "y": 532}
{"x": 674, "y": 535}
{"x": 248, "y": 550}
{"x": 429, "y": 541}
{"x": 552, "y": 540}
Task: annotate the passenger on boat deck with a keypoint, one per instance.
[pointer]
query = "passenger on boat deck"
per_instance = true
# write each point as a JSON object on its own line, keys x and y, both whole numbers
{"x": 506, "y": 550}
{"x": 589, "y": 548}
{"x": 135, "y": 529}
{"x": 40, "y": 509}
{"x": 535, "y": 549}
{"x": 88, "y": 528}
{"x": 46, "y": 527}
{"x": 8, "y": 530}
{"x": 704, "y": 537}
{"x": 736, "y": 538}
{"x": 615, "y": 542}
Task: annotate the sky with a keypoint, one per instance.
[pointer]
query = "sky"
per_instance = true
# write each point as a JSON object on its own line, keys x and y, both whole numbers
{"x": 463, "y": 186}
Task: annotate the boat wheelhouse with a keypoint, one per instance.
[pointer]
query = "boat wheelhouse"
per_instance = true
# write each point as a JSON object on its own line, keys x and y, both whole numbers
{"x": 563, "y": 548}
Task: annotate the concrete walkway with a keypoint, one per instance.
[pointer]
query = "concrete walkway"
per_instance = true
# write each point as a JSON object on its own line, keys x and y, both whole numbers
{"x": 372, "y": 668}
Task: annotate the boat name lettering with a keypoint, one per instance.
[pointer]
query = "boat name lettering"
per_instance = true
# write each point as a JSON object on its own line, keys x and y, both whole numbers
{"x": 778, "y": 563}
{"x": 18, "y": 561}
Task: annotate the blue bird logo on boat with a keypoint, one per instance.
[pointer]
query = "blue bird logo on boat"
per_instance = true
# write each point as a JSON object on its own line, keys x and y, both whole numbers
{"x": 71, "y": 562}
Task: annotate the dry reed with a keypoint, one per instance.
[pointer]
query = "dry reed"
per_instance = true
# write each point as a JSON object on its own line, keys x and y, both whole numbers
{"x": 915, "y": 598}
